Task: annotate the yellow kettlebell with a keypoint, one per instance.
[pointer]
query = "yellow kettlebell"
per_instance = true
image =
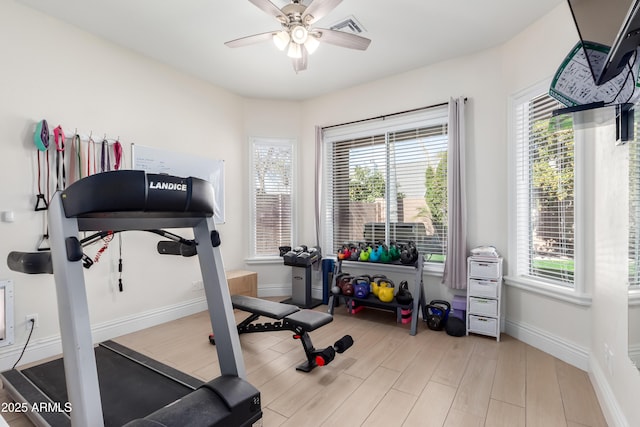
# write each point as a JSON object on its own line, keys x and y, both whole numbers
{"x": 385, "y": 294}
{"x": 376, "y": 283}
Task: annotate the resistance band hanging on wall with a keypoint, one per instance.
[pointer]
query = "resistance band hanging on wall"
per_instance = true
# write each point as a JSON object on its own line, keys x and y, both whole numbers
{"x": 61, "y": 175}
{"x": 82, "y": 162}
{"x": 41, "y": 140}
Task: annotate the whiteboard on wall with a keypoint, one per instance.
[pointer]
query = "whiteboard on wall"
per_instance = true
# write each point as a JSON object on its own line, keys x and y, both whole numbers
{"x": 157, "y": 160}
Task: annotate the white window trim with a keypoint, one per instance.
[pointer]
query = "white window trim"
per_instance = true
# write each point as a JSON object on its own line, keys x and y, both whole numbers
{"x": 578, "y": 294}
{"x": 252, "y": 258}
{"x": 429, "y": 117}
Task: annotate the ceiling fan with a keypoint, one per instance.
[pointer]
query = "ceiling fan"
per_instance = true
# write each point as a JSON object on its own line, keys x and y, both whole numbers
{"x": 297, "y": 35}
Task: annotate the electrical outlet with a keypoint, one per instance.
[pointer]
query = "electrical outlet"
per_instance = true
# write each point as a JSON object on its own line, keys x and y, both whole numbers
{"x": 28, "y": 319}
{"x": 197, "y": 285}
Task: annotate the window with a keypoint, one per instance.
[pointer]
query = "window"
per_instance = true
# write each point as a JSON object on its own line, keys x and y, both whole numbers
{"x": 544, "y": 191}
{"x": 271, "y": 196}
{"x": 386, "y": 180}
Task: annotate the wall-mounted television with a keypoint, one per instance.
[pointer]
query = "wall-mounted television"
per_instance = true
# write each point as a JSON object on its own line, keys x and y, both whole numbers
{"x": 613, "y": 24}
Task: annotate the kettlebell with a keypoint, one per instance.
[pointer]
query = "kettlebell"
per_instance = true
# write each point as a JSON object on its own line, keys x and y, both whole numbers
{"x": 409, "y": 254}
{"x": 394, "y": 252}
{"x": 385, "y": 256}
{"x": 444, "y": 306}
{"x": 385, "y": 293}
{"x": 365, "y": 254}
{"x": 435, "y": 317}
{"x": 344, "y": 252}
{"x": 343, "y": 279}
{"x": 347, "y": 289}
{"x": 437, "y": 314}
{"x": 375, "y": 283}
{"x": 375, "y": 254}
{"x": 361, "y": 286}
{"x": 403, "y": 296}
{"x": 355, "y": 254}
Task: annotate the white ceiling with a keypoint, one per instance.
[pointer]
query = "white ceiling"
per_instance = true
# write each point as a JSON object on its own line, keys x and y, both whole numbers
{"x": 190, "y": 34}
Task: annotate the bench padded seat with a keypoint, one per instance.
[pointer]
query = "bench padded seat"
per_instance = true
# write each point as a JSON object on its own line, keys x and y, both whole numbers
{"x": 309, "y": 320}
{"x": 274, "y": 310}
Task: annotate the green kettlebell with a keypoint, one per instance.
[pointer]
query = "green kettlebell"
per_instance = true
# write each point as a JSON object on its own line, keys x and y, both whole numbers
{"x": 394, "y": 252}
{"x": 385, "y": 256}
{"x": 365, "y": 254}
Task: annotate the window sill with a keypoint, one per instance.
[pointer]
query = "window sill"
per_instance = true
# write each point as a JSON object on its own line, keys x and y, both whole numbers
{"x": 549, "y": 290}
{"x": 264, "y": 260}
{"x": 634, "y": 296}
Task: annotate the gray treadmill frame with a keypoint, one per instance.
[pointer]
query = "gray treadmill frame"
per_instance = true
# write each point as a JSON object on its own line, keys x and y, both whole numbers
{"x": 73, "y": 310}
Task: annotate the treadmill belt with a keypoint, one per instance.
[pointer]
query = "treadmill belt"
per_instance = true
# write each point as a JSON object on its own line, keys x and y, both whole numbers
{"x": 128, "y": 390}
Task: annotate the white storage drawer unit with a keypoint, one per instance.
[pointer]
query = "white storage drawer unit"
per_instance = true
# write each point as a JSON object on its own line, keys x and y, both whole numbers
{"x": 484, "y": 270}
{"x": 483, "y": 325}
{"x": 483, "y": 288}
{"x": 488, "y": 307}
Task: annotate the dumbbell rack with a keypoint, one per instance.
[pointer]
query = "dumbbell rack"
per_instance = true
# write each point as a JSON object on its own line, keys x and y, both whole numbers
{"x": 302, "y": 280}
{"x": 418, "y": 304}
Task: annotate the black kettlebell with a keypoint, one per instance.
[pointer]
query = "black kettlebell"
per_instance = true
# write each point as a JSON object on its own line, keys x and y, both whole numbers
{"x": 435, "y": 317}
{"x": 403, "y": 296}
{"x": 409, "y": 254}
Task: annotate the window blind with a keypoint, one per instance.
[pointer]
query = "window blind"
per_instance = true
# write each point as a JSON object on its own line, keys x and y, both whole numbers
{"x": 388, "y": 184}
{"x": 272, "y": 168}
{"x": 545, "y": 191}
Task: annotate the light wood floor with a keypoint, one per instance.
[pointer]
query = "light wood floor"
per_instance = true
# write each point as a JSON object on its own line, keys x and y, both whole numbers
{"x": 388, "y": 378}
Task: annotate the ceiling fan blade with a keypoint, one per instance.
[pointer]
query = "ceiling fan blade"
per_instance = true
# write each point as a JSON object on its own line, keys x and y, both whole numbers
{"x": 300, "y": 64}
{"x": 340, "y": 38}
{"x": 270, "y": 8}
{"x": 318, "y": 9}
{"x": 246, "y": 41}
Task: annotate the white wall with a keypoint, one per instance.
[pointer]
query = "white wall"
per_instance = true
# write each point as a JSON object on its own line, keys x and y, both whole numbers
{"x": 620, "y": 380}
{"x": 54, "y": 71}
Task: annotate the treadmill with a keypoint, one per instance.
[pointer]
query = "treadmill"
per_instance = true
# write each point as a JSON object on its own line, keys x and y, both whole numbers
{"x": 112, "y": 385}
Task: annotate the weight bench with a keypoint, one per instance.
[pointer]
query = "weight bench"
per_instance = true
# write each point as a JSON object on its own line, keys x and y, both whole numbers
{"x": 290, "y": 318}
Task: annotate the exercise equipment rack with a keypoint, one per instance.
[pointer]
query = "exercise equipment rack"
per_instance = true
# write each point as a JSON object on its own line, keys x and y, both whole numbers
{"x": 418, "y": 305}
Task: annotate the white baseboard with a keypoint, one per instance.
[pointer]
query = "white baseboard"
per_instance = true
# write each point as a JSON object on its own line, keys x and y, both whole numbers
{"x": 574, "y": 355}
{"x": 283, "y": 291}
{"x": 274, "y": 290}
{"x": 571, "y": 353}
{"x": 610, "y": 409}
{"x": 634, "y": 354}
{"x": 52, "y": 346}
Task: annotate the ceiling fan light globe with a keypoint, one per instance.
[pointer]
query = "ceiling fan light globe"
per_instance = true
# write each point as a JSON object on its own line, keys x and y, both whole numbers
{"x": 295, "y": 50}
{"x": 311, "y": 44}
{"x": 281, "y": 39}
{"x": 299, "y": 34}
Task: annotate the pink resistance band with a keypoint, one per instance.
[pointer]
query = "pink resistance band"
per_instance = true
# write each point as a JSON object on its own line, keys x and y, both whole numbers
{"x": 61, "y": 176}
{"x": 117, "y": 151}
